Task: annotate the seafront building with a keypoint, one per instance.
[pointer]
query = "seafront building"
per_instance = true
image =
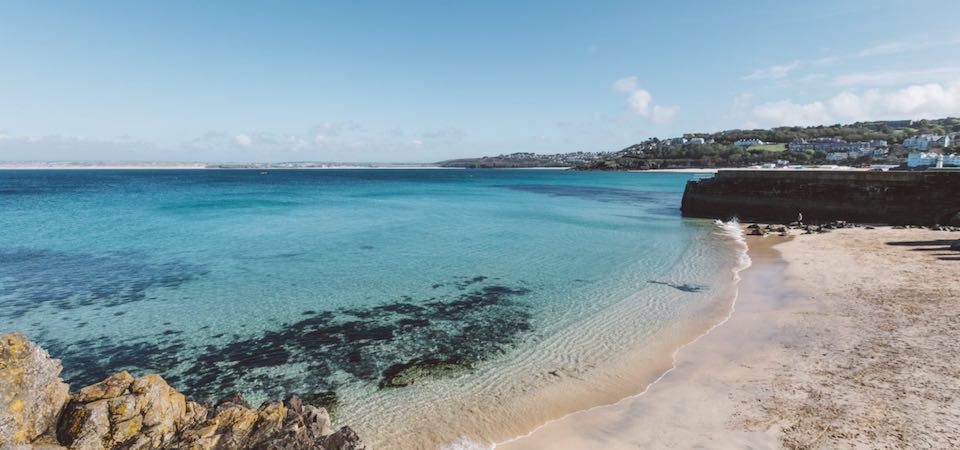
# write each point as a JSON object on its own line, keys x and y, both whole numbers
{"x": 748, "y": 142}
{"x": 922, "y": 159}
{"x": 925, "y": 141}
{"x": 838, "y": 149}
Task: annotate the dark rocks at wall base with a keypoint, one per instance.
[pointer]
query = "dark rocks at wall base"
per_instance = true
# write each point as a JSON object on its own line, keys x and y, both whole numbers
{"x": 894, "y": 197}
{"x": 125, "y": 412}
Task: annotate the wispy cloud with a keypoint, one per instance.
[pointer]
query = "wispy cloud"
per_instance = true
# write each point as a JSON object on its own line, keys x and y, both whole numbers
{"x": 780, "y": 73}
{"x": 909, "y": 45}
{"x": 895, "y": 77}
{"x": 67, "y": 147}
{"x": 773, "y": 72}
{"x": 641, "y": 101}
{"x": 327, "y": 141}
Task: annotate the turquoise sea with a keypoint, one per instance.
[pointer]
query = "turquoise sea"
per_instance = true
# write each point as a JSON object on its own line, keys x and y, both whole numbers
{"x": 320, "y": 282}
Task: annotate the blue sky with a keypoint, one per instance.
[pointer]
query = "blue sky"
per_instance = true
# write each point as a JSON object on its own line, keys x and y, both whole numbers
{"x": 424, "y": 81}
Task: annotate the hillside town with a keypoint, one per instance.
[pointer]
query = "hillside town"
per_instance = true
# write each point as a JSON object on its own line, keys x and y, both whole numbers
{"x": 900, "y": 144}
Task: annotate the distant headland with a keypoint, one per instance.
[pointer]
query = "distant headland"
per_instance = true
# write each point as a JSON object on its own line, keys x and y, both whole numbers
{"x": 912, "y": 144}
{"x": 891, "y": 143}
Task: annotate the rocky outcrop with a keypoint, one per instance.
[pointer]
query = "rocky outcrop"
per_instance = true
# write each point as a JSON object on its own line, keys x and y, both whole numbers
{"x": 895, "y": 197}
{"x": 31, "y": 392}
{"x": 125, "y": 412}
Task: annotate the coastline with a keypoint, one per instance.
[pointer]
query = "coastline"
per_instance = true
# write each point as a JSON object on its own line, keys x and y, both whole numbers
{"x": 694, "y": 333}
{"x": 504, "y": 404}
{"x": 817, "y": 361}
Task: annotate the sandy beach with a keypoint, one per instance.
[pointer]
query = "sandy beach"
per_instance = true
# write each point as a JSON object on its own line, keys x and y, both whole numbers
{"x": 838, "y": 340}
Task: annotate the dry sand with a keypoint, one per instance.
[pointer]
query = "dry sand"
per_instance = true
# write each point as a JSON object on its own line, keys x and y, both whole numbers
{"x": 842, "y": 340}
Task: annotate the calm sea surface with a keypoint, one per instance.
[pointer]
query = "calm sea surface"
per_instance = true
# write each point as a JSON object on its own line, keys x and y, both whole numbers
{"x": 318, "y": 281}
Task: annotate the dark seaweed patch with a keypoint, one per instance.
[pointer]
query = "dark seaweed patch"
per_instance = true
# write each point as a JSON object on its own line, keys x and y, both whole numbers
{"x": 464, "y": 284}
{"x": 91, "y": 360}
{"x": 67, "y": 280}
{"x": 459, "y": 329}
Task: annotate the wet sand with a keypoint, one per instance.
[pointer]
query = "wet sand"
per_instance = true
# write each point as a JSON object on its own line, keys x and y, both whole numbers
{"x": 840, "y": 340}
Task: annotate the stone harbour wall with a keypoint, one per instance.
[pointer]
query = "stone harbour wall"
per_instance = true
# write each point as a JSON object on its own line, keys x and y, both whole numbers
{"x": 895, "y": 197}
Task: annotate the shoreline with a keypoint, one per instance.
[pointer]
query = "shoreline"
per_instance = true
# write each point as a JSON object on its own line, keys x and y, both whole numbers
{"x": 772, "y": 378}
{"x": 511, "y": 403}
{"x": 745, "y": 262}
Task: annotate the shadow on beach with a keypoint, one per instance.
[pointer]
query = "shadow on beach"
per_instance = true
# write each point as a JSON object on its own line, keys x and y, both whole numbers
{"x": 948, "y": 247}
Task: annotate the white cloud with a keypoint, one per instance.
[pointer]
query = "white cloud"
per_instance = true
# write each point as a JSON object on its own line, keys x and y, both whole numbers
{"x": 785, "y": 112}
{"x": 664, "y": 114}
{"x": 931, "y": 100}
{"x": 911, "y": 45}
{"x": 826, "y": 60}
{"x": 884, "y": 49}
{"x": 742, "y": 100}
{"x": 773, "y": 72}
{"x": 626, "y": 84}
{"x": 71, "y": 148}
{"x": 641, "y": 101}
{"x": 243, "y": 140}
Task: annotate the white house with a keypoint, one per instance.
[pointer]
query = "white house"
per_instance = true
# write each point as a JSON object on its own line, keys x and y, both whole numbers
{"x": 748, "y": 142}
{"x": 923, "y": 141}
{"x": 919, "y": 159}
{"x": 837, "y": 156}
{"x": 697, "y": 141}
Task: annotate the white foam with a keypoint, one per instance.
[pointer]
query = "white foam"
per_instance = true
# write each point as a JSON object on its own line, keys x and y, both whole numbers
{"x": 467, "y": 444}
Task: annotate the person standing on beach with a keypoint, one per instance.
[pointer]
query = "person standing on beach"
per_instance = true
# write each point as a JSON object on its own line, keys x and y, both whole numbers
{"x": 800, "y": 218}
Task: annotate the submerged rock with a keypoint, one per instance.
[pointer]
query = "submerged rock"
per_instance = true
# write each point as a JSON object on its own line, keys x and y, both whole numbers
{"x": 145, "y": 413}
{"x": 31, "y": 391}
{"x": 405, "y": 374}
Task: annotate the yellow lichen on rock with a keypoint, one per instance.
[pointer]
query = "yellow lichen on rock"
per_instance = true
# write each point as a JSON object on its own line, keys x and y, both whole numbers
{"x": 31, "y": 392}
{"x": 123, "y": 412}
{"x": 111, "y": 387}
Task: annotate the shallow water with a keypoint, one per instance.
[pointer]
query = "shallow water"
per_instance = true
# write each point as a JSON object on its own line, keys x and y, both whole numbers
{"x": 318, "y": 281}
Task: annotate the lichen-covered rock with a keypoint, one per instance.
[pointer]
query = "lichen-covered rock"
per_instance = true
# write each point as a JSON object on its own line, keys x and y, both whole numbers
{"x": 290, "y": 425}
{"x": 31, "y": 392}
{"x": 317, "y": 420}
{"x": 126, "y": 413}
{"x": 111, "y": 387}
{"x": 85, "y": 426}
{"x": 344, "y": 439}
